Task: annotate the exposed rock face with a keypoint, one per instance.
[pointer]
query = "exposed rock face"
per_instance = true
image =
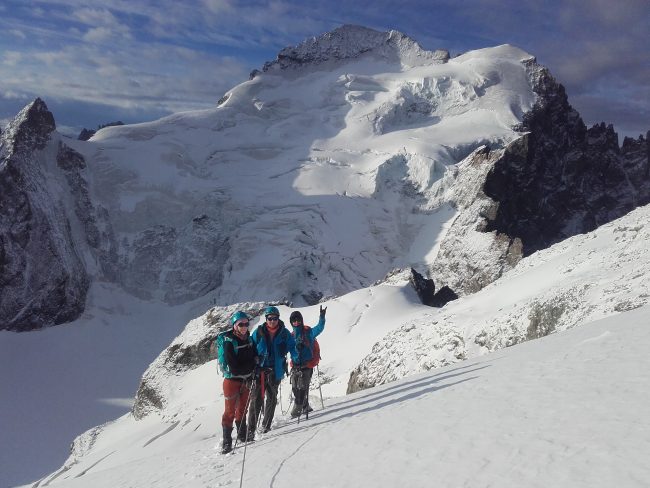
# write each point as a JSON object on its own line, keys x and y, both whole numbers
{"x": 561, "y": 178}
{"x": 424, "y": 287}
{"x": 351, "y": 41}
{"x": 175, "y": 264}
{"x": 86, "y": 134}
{"x": 42, "y": 276}
{"x": 94, "y": 219}
{"x": 443, "y": 296}
{"x": 471, "y": 256}
{"x": 426, "y": 290}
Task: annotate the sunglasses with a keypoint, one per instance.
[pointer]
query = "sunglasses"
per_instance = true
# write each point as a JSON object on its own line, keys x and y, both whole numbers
{"x": 242, "y": 324}
{"x": 272, "y": 319}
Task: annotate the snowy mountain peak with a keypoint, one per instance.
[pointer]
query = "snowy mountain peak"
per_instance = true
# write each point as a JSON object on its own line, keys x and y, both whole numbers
{"x": 30, "y": 129}
{"x": 351, "y": 41}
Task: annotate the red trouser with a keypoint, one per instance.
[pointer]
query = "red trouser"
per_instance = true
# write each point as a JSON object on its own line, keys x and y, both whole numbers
{"x": 235, "y": 393}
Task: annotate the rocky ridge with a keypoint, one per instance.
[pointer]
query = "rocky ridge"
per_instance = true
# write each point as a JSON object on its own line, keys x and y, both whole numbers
{"x": 557, "y": 180}
{"x": 561, "y": 179}
{"x": 352, "y": 41}
{"x": 42, "y": 274}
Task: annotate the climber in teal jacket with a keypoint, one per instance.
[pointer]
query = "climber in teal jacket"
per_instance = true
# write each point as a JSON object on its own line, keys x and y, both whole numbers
{"x": 273, "y": 342}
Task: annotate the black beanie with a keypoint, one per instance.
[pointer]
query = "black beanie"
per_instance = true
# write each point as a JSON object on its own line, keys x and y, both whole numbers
{"x": 295, "y": 315}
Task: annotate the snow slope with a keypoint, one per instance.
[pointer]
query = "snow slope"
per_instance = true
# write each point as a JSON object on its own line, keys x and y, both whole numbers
{"x": 566, "y": 410}
{"x": 562, "y": 410}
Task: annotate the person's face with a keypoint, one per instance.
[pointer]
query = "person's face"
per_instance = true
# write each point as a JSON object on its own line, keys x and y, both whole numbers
{"x": 241, "y": 327}
{"x": 272, "y": 321}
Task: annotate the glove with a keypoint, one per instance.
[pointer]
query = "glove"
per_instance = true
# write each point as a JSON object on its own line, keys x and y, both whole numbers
{"x": 322, "y": 312}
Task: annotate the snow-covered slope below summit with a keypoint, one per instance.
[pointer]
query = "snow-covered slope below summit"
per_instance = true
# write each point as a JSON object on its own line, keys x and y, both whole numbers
{"x": 561, "y": 411}
{"x": 303, "y": 183}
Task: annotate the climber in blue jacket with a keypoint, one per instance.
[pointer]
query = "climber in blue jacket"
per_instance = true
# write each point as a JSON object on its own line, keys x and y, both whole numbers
{"x": 273, "y": 342}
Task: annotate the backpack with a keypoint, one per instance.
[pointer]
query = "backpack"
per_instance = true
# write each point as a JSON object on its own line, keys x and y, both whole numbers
{"x": 315, "y": 350}
{"x": 221, "y": 356}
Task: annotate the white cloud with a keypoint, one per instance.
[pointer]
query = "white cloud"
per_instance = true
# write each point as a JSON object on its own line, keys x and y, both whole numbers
{"x": 13, "y": 95}
{"x": 98, "y": 34}
{"x": 95, "y": 17}
{"x": 11, "y": 58}
{"x": 18, "y": 33}
{"x": 51, "y": 58}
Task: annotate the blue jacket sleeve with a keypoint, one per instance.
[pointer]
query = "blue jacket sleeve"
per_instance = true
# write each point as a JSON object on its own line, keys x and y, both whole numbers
{"x": 315, "y": 331}
{"x": 257, "y": 342}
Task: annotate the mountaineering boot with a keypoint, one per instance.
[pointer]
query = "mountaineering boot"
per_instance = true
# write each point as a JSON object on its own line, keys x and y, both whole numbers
{"x": 226, "y": 445}
{"x": 241, "y": 430}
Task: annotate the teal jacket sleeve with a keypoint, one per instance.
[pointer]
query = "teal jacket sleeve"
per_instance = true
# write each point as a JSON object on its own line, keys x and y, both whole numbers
{"x": 315, "y": 331}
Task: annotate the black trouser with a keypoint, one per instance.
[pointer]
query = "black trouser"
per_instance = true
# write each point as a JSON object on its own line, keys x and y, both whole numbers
{"x": 300, "y": 379}
{"x": 271, "y": 386}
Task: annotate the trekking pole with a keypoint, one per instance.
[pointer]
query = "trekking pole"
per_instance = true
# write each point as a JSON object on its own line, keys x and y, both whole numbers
{"x": 305, "y": 401}
{"x": 280, "y": 395}
{"x": 243, "y": 461}
{"x": 320, "y": 390}
{"x": 263, "y": 401}
{"x": 290, "y": 402}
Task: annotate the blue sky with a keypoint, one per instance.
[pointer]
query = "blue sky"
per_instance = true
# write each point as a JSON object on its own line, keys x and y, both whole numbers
{"x": 136, "y": 60}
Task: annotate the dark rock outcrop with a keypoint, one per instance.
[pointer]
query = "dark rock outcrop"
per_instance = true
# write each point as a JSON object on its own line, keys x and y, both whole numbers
{"x": 86, "y": 134}
{"x": 42, "y": 276}
{"x": 426, "y": 290}
{"x": 443, "y": 296}
{"x": 562, "y": 179}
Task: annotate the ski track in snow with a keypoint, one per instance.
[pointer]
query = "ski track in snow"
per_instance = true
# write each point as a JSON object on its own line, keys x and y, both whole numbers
{"x": 166, "y": 431}
{"x": 288, "y": 458}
